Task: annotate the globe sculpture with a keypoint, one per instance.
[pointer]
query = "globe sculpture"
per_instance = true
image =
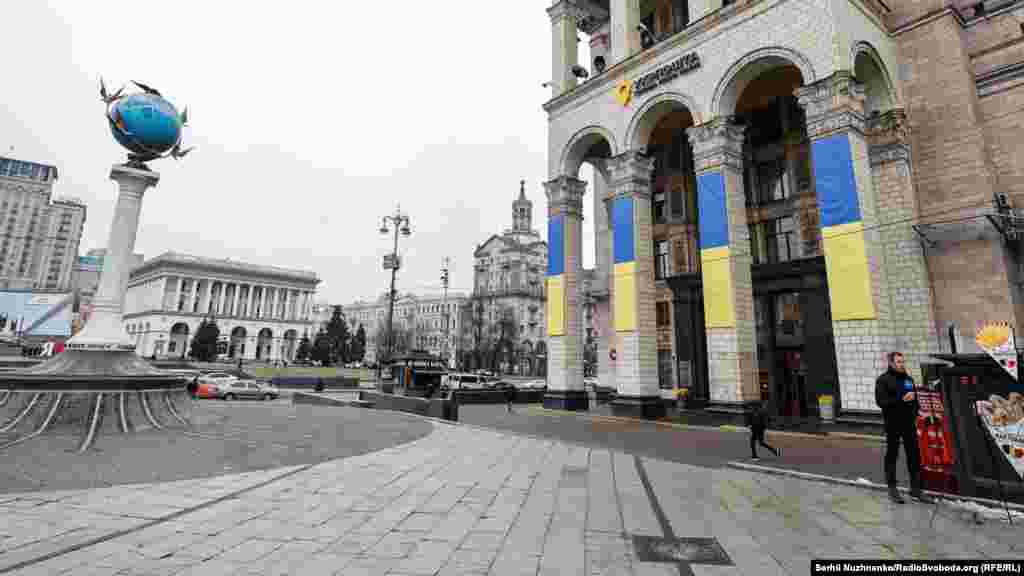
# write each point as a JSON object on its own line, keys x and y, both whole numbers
{"x": 99, "y": 384}
{"x": 146, "y": 124}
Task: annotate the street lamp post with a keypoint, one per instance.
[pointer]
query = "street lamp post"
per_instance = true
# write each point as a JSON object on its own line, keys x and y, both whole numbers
{"x": 444, "y": 307}
{"x": 401, "y": 223}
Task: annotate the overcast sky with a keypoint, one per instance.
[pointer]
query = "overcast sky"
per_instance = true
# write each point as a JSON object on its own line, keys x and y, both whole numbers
{"x": 311, "y": 120}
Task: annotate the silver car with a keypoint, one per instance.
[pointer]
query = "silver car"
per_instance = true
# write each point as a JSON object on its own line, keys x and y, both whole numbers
{"x": 240, "y": 389}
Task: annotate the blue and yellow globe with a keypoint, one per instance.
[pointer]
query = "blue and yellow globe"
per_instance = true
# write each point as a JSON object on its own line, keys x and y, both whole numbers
{"x": 146, "y": 124}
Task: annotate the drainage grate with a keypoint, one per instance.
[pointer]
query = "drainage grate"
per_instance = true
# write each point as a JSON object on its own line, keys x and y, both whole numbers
{"x": 673, "y": 550}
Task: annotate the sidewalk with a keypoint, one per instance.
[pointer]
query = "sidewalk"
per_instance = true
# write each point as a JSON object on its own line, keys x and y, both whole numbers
{"x": 466, "y": 501}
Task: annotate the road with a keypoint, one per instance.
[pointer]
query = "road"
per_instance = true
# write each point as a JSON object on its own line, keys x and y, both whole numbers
{"x": 227, "y": 437}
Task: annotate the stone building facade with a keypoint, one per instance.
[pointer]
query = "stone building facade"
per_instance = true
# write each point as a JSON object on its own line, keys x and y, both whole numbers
{"x": 39, "y": 234}
{"x": 785, "y": 191}
{"x": 421, "y": 318}
{"x": 508, "y": 278}
{"x": 262, "y": 311}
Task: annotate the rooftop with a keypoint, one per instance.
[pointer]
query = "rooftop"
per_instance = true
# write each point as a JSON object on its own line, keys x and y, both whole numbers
{"x": 170, "y": 258}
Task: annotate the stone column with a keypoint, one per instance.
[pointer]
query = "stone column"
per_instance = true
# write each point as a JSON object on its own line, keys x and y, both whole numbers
{"x": 219, "y": 308}
{"x": 564, "y": 326}
{"x": 105, "y": 330}
{"x": 725, "y": 264}
{"x": 603, "y": 316}
{"x": 847, "y": 204}
{"x": 164, "y": 304}
{"x": 633, "y": 311}
{"x": 275, "y": 300}
{"x": 913, "y": 312}
{"x": 563, "y": 47}
{"x": 204, "y": 302}
{"x": 625, "y": 38}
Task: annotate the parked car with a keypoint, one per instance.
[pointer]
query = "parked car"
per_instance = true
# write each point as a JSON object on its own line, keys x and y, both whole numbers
{"x": 240, "y": 389}
{"x": 591, "y": 383}
{"x": 532, "y": 385}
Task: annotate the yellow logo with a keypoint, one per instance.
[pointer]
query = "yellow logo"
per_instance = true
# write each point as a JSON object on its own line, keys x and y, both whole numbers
{"x": 624, "y": 92}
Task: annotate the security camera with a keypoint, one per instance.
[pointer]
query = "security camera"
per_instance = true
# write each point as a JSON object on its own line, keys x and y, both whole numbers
{"x": 579, "y": 71}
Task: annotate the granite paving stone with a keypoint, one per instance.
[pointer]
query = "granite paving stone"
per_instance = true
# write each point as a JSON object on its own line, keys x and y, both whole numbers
{"x": 466, "y": 501}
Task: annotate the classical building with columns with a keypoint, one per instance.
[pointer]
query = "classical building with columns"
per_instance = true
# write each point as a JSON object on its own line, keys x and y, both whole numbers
{"x": 784, "y": 191}
{"x": 418, "y": 319}
{"x": 262, "y": 311}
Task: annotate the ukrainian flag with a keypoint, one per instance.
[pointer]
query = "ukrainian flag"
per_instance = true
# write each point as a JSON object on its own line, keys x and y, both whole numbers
{"x": 716, "y": 272}
{"x": 624, "y": 259}
{"x": 842, "y": 231}
{"x": 556, "y": 302}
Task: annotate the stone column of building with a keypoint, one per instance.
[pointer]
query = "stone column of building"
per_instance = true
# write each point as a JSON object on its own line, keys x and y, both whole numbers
{"x": 913, "y": 316}
{"x": 725, "y": 263}
{"x": 204, "y": 302}
{"x": 275, "y": 298}
{"x": 854, "y": 257}
{"x": 564, "y": 326}
{"x": 236, "y": 299}
{"x": 254, "y": 300}
{"x": 164, "y": 304}
{"x": 636, "y": 358}
{"x": 625, "y": 39}
{"x": 219, "y": 307}
{"x": 603, "y": 323}
{"x": 563, "y": 47}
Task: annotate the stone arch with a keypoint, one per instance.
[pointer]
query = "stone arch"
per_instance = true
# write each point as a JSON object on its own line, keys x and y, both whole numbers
{"x": 236, "y": 345}
{"x": 580, "y": 144}
{"x": 178, "y": 343}
{"x": 264, "y": 344}
{"x": 870, "y": 70}
{"x": 749, "y": 67}
{"x": 652, "y": 111}
{"x": 290, "y": 338}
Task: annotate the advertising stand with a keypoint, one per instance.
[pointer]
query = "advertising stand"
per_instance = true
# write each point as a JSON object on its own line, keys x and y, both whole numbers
{"x": 981, "y": 467}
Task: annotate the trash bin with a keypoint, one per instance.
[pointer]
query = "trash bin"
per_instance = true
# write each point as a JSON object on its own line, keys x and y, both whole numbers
{"x": 825, "y": 408}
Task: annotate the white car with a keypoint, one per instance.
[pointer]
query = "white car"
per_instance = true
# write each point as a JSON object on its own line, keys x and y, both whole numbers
{"x": 532, "y": 385}
{"x": 461, "y": 381}
{"x": 216, "y": 378}
{"x": 591, "y": 383}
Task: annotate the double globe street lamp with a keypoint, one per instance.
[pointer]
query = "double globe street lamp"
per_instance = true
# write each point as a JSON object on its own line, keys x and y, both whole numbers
{"x": 401, "y": 223}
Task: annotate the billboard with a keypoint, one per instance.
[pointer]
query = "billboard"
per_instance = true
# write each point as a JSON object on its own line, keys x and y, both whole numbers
{"x": 27, "y": 313}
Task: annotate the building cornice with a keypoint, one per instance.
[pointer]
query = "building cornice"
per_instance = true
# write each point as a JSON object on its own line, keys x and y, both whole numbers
{"x": 182, "y": 262}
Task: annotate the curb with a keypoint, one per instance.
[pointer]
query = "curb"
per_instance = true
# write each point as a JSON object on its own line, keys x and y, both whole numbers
{"x": 867, "y": 485}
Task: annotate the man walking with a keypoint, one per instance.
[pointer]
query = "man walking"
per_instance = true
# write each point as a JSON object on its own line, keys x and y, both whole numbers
{"x": 894, "y": 394}
{"x": 758, "y": 420}
{"x": 510, "y": 396}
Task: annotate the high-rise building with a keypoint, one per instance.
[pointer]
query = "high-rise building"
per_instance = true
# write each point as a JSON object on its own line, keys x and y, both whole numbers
{"x": 39, "y": 234}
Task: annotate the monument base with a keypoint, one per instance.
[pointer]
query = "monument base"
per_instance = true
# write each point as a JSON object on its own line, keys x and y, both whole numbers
{"x": 566, "y": 400}
{"x": 88, "y": 393}
{"x": 638, "y": 406}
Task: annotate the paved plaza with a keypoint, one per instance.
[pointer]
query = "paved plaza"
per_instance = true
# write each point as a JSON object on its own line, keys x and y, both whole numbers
{"x": 466, "y": 501}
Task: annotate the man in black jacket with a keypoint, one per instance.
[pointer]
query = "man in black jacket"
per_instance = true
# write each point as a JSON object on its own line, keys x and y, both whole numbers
{"x": 894, "y": 394}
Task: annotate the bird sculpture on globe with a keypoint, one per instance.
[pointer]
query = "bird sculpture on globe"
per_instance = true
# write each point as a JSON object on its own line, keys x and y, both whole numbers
{"x": 145, "y": 123}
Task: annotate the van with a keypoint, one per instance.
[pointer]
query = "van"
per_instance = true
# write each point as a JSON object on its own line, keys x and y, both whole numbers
{"x": 462, "y": 381}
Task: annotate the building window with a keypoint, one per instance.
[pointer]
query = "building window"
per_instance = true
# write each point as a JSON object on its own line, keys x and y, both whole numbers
{"x": 659, "y": 208}
{"x": 665, "y": 379}
{"x": 661, "y": 262}
{"x": 662, "y": 315}
{"x": 775, "y": 241}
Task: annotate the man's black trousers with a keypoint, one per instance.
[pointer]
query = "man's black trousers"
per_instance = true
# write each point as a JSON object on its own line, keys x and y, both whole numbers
{"x": 897, "y": 430}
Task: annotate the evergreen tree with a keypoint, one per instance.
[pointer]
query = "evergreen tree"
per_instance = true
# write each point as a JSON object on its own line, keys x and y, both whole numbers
{"x": 337, "y": 332}
{"x": 358, "y": 349}
{"x": 204, "y": 345}
{"x": 305, "y": 348}
{"x": 322, "y": 348}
